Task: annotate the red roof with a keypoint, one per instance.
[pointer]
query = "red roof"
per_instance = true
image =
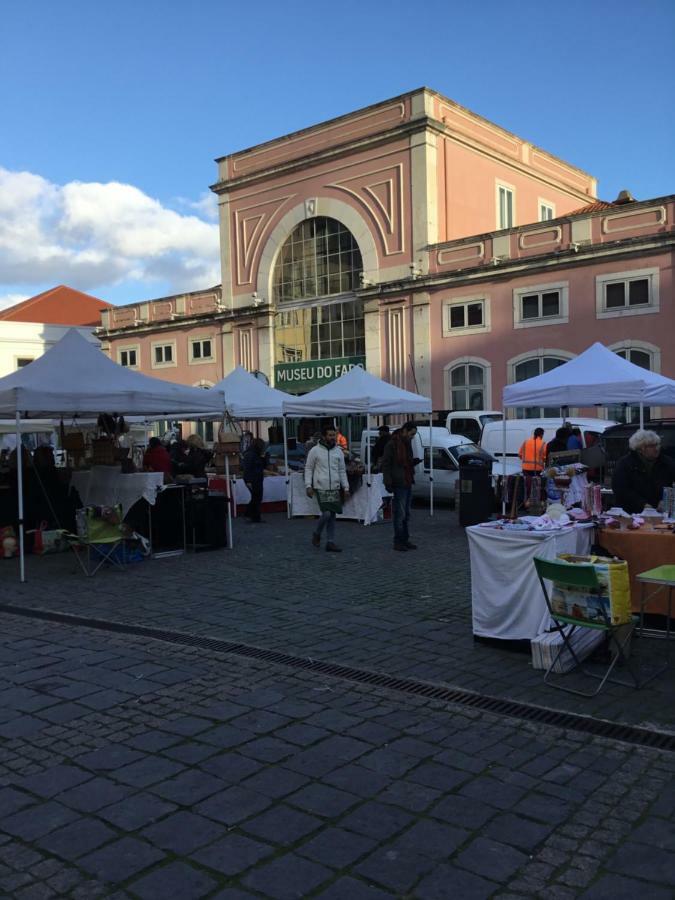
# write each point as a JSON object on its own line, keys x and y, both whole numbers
{"x": 60, "y": 305}
{"x": 596, "y": 206}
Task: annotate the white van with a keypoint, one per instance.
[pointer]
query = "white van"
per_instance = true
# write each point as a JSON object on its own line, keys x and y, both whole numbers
{"x": 518, "y": 430}
{"x": 447, "y": 451}
{"x": 470, "y": 422}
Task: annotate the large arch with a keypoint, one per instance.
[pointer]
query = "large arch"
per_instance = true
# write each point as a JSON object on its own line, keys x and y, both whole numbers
{"x": 322, "y": 206}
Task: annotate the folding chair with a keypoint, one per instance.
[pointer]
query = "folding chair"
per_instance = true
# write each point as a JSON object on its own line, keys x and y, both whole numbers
{"x": 570, "y": 575}
{"x": 101, "y": 530}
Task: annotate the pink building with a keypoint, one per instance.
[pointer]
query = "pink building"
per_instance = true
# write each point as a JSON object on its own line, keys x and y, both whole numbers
{"x": 441, "y": 251}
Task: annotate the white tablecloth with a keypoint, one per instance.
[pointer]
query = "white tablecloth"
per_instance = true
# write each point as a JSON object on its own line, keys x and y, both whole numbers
{"x": 506, "y": 596}
{"x": 107, "y": 486}
{"x": 362, "y": 504}
{"x": 274, "y": 490}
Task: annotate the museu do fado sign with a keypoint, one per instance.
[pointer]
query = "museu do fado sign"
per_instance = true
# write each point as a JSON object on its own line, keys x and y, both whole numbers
{"x": 301, "y": 377}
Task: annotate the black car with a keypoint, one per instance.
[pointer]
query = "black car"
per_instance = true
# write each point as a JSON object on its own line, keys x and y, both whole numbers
{"x": 615, "y": 441}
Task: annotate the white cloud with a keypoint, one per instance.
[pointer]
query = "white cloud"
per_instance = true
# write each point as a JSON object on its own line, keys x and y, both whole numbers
{"x": 11, "y": 299}
{"x": 89, "y": 235}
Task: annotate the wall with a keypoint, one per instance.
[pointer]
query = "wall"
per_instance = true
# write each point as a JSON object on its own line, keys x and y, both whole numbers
{"x": 28, "y": 340}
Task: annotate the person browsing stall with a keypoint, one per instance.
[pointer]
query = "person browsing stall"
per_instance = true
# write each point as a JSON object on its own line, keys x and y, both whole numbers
{"x": 255, "y": 461}
{"x": 326, "y": 476}
{"x": 379, "y": 445}
{"x": 532, "y": 453}
{"x": 641, "y": 475}
{"x": 156, "y": 458}
{"x": 398, "y": 469}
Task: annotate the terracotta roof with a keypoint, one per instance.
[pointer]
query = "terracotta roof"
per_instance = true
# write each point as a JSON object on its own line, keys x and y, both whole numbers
{"x": 60, "y": 305}
{"x": 596, "y": 206}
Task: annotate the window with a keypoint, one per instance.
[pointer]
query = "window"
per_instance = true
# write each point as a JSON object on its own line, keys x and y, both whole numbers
{"x": 629, "y": 414}
{"x": 530, "y": 368}
{"x": 337, "y": 329}
{"x": 505, "y": 206}
{"x": 627, "y": 293}
{"x": 468, "y": 427}
{"x": 23, "y": 361}
{"x": 466, "y": 315}
{"x": 201, "y": 350}
{"x": 128, "y": 357}
{"x": 319, "y": 259}
{"x": 467, "y": 386}
{"x": 541, "y": 304}
{"x": 163, "y": 355}
{"x": 546, "y": 211}
{"x": 442, "y": 459}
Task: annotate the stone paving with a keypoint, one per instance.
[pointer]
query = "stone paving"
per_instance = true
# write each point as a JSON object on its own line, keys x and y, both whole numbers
{"x": 138, "y": 769}
{"x": 400, "y": 613}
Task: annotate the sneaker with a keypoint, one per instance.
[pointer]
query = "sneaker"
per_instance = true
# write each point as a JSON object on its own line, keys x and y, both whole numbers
{"x": 316, "y": 540}
{"x": 400, "y": 547}
{"x": 410, "y": 546}
{"x": 333, "y": 548}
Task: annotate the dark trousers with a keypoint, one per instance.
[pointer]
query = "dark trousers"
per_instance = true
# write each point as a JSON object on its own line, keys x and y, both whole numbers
{"x": 253, "y": 508}
{"x": 401, "y": 513}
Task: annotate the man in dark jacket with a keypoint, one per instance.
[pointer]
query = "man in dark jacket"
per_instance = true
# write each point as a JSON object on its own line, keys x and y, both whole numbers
{"x": 379, "y": 445}
{"x": 641, "y": 475}
{"x": 398, "y": 469}
{"x": 255, "y": 462}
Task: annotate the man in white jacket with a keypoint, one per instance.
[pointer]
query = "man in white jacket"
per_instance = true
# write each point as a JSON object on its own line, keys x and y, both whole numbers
{"x": 326, "y": 476}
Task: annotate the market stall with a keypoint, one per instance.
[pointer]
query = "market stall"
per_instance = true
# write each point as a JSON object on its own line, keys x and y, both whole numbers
{"x": 74, "y": 378}
{"x": 357, "y": 392}
{"x": 274, "y": 492}
{"x": 506, "y": 597}
{"x": 643, "y": 548}
{"x": 107, "y": 486}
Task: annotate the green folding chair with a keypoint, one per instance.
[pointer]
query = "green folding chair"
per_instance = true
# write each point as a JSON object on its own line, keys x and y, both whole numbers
{"x": 102, "y": 535}
{"x": 572, "y": 575}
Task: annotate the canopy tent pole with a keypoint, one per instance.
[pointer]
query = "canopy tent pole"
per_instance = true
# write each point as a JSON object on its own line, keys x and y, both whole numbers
{"x": 642, "y": 414}
{"x": 366, "y": 518}
{"x": 19, "y": 475}
{"x": 288, "y": 480}
{"x": 349, "y": 433}
{"x": 228, "y": 487}
{"x": 431, "y": 464}
{"x": 503, "y": 460}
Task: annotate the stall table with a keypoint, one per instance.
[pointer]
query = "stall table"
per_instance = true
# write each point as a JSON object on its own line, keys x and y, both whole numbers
{"x": 642, "y": 549}
{"x": 506, "y": 597}
{"x": 108, "y": 486}
{"x": 363, "y": 505}
{"x": 274, "y": 494}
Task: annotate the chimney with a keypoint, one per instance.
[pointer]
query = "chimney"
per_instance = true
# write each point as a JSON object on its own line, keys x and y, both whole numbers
{"x": 624, "y": 197}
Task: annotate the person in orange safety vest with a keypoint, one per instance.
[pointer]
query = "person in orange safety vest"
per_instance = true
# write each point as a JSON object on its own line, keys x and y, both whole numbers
{"x": 532, "y": 453}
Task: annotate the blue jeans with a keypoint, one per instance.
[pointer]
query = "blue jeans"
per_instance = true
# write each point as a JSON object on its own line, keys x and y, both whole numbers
{"x": 326, "y": 521}
{"x": 401, "y": 511}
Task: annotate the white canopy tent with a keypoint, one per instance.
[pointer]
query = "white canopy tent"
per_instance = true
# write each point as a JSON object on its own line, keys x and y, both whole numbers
{"x": 74, "y": 378}
{"x": 249, "y": 398}
{"x": 358, "y": 392}
{"x": 597, "y": 377}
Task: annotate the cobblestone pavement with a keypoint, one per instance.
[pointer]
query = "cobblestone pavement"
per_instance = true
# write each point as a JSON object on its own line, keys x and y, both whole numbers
{"x": 135, "y": 768}
{"x": 400, "y": 613}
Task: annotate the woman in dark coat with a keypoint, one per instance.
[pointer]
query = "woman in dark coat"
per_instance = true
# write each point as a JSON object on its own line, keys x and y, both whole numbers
{"x": 255, "y": 462}
{"x": 641, "y": 475}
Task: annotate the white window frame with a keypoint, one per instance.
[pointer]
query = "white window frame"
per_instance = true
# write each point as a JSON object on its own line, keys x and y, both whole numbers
{"x": 163, "y": 365}
{"x": 563, "y": 317}
{"x": 468, "y": 329}
{"x": 504, "y": 185}
{"x": 601, "y": 281}
{"x": 532, "y": 354}
{"x": 199, "y": 360}
{"x": 125, "y": 348}
{"x": 485, "y": 364}
{"x": 548, "y": 206}
{"x": 655, "y": 354}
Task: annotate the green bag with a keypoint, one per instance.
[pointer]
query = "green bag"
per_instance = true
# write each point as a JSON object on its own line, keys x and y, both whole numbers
{"x": 329, "y": 501}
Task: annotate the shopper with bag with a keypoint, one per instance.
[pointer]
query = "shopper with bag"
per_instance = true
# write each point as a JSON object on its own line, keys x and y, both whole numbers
{"x": 326, "y": 476}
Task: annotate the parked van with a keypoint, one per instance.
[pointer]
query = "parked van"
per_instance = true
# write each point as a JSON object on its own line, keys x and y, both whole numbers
{"x": 448, "y": 449}
{"x": 518, "y": 430}
{"x": 470, "y": 422}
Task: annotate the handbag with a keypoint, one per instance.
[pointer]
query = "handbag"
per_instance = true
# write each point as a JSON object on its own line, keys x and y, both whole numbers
{"x": 48, "y": 540}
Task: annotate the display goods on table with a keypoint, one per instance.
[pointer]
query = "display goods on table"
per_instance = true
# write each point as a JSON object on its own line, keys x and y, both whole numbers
{"x": 108, "y": 486}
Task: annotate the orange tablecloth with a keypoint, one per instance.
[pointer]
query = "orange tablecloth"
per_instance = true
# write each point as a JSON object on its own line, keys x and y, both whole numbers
{"x": 642, "y": 550}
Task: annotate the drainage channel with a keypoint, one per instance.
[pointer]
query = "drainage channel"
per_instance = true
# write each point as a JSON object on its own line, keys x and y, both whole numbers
{"x": 528, "y": 712}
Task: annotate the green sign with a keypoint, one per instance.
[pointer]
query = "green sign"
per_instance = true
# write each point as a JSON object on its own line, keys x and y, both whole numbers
{"x": 301, "y": 377}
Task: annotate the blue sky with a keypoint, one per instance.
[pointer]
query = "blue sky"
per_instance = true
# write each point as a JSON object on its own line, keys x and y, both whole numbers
{"x": 112, "y": 114}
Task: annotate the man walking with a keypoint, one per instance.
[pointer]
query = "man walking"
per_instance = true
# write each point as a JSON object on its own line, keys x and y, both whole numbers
{"x": 326, "y": 476}
{"x": 398, "y": 467}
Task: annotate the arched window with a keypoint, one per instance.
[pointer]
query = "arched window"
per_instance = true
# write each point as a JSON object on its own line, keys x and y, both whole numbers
{"x": 644, "y": 359}
{"x": 530, "y": 368}
{"x": 320, "y": 258}
{"x": 467, "y": 386}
